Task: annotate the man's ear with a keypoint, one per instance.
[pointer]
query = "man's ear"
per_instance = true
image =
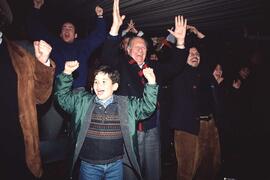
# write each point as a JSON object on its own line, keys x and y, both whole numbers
{"x": 115, "y": 86}
{"x": 76, "y": 35}
{"x": 128, "y": 49}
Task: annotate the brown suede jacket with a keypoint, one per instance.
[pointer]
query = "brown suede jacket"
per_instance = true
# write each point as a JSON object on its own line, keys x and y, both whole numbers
{"x": 35, "y": 82}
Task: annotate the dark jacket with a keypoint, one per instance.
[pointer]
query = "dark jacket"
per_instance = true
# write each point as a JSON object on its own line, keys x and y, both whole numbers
{"x": 130, "y": 84}
{"x": 81, "y": 106}
{"x": 191, "y": 97}
{"x": 79, "y": 50}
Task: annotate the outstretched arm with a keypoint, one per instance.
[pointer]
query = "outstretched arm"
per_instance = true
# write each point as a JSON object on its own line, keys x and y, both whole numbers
{"x": 145, "y": 106}
{"x": 179, "y": 31}
{"x": 95, "y": 38}
{"x": 117, "y": 19}
{"x": 110, "y": 53}
{"x": 194, "y": 30}
{"x": 44, "y": 71}
{"x": 131, "y": 28}
{"x": 63, "y": 88}
{"x": 166, "y": 71}
{"x": 42, "y": 51}
{"x": 130, "y": 25}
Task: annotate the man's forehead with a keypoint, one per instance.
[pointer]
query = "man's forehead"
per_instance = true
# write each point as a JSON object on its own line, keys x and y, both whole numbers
{"x": 68, "y": 25}
{"x": 194, "y": 50}
{"x": 138, "y": 40}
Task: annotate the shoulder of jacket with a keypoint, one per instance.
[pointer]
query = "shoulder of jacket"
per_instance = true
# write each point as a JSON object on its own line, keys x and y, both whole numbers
{"x": 15, "y": 48}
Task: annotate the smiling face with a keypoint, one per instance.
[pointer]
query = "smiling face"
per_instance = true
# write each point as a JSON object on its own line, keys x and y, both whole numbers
{"x": 218, "y": 71}
{"x": 193, "y": 57}
{"x": 68, "y": 33}
{"x": 137, "y": 49}
{"x": 103, "y": 86}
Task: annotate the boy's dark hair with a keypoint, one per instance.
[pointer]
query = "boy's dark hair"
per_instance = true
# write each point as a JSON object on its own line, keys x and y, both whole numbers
{"x": 70, "y": 20}
{"x": 112, "y": 73}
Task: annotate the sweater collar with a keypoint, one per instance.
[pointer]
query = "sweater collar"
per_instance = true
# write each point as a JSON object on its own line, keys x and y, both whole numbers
{"x": 104, "y": 103}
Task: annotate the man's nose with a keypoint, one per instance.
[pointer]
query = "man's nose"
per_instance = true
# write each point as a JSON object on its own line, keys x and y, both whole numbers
{"x": 140, "y": 49}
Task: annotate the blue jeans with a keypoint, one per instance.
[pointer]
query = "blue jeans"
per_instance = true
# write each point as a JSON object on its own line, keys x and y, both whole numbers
{"x": 149, "y": 151}
{"x": 111, "y": 171}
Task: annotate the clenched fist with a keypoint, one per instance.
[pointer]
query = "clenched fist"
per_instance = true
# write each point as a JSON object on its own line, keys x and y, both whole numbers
{"x": 38, "y": 3}
{"x": 70, "y": 66}
{"x": 99, "y": 11}
{"x": 149, "y": 75}
{"x": 42, "y": 51}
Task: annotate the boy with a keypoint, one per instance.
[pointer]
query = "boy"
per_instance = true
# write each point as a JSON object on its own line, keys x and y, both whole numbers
{"x": 104, "y": 124}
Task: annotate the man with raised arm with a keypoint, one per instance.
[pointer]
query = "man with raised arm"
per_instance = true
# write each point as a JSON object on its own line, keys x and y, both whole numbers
{"x": 132, "y": 82}
{"x": 25, "y": 81}
{"x": 65, "y": 47}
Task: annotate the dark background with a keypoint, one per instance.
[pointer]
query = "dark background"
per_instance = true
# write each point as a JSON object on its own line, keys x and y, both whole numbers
{"x": 154, "y": 17}
{"x": 222, "y": 20}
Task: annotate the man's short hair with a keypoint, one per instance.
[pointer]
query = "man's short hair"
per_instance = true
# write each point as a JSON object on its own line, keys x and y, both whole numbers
{"x": 135, "y": 37}
{"x": 129, "y": 35}
{"x": 113, "y": 74}
{"x": 68, "y": 20}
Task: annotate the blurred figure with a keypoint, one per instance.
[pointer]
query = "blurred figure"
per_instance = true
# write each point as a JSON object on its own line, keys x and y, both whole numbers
{"x": 127, "y": 34}
{"x": 130, "y": 67}
{"x": 192, "y": 118}
{"x": 25, "y": 81}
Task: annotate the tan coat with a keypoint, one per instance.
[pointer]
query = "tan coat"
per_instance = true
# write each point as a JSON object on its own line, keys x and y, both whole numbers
{"x": 35, "y": 82}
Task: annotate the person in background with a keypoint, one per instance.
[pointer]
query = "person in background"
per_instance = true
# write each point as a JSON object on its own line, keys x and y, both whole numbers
{"x": 196, "y": 136}
{"x": 65, "y": 47}
{"x": 128, "y": 33}
{"x": 132, "y": 82}
{"x": 25, "y": 81}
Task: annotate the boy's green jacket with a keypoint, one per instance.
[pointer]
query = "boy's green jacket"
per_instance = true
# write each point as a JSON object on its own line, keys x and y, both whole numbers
{"x": 81, "y": 105}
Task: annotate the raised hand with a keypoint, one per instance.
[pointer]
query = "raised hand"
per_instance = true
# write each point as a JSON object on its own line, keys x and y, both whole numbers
{"x": 38, "y": 3}
{"x": 237, "y": 84}
{"x": 117, "y": 19}
{"x": 99, "y": 11}
{"x": 219, "y": 79}
{"x": 194, "y": 30}
{"x": 149, "y": 75}
{"x": 179, "y": 30}
{"x": 130, "y": 26}
{"x": 42, "y": 51}
{"x": 71, "y": 66}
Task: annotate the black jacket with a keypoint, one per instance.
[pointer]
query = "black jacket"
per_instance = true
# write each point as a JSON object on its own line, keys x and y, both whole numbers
{"x": 130, "y": 81}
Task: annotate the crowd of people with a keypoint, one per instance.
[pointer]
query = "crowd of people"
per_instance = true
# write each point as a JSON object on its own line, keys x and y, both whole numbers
{"x": 143, "y": 106}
